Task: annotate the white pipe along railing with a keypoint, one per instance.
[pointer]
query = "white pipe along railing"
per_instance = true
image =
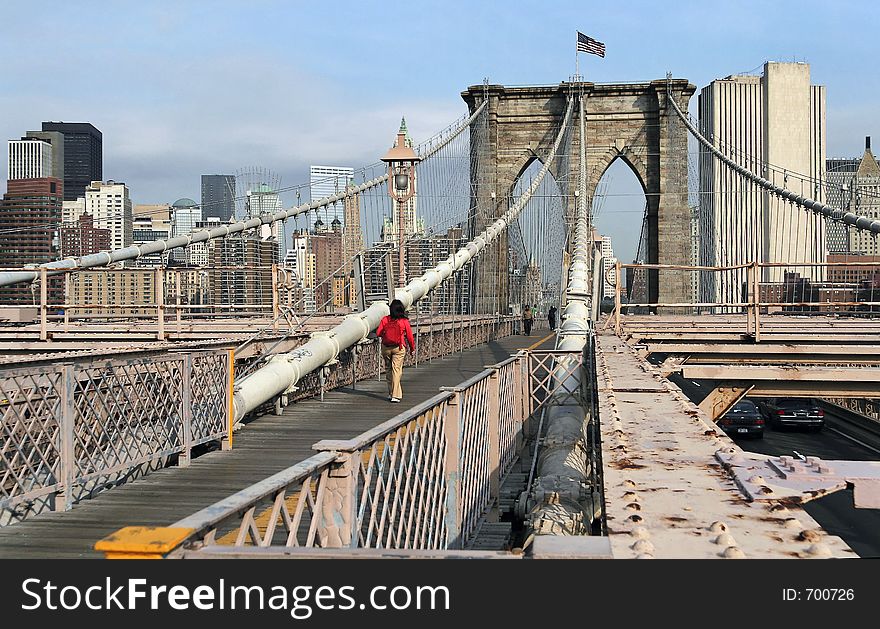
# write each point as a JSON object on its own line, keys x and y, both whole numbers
{"x": 133, "y": 252}
{"x": 561, "y": 499}
{"x": 283, "y": 371}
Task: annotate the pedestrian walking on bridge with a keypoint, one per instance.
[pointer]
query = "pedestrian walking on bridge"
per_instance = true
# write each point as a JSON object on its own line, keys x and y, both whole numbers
{"x": 551, "y": 317}
{"x": 395, "y": 333}
{"x": 528, "y": 319}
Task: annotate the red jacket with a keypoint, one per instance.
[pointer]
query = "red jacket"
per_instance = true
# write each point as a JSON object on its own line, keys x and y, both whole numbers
{"x": 395, "y": 332}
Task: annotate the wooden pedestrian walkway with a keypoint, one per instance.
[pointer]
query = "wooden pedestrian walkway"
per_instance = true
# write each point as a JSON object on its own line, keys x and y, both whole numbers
{"x": 263, "y": 447}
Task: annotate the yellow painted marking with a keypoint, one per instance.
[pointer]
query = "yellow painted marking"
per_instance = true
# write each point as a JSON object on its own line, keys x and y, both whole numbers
{"x": 537, "y": 343}
{"x": 147, "y": 542}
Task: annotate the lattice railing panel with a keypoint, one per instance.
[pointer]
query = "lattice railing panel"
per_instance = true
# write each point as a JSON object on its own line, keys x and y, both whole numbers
{"x": 551, "y": 377}
{"x": 401, "y": 486}
{"x": 126, "y": 413}
{"x": 71, "y": 430}
{"x": 209, "y": 383}
{"x": 289, "y": 517}
{"x": 509, "y": 420}
{"x": 474, "y": 463}
{"x": 285, "y": 510}
{"x": 30, "y": 451}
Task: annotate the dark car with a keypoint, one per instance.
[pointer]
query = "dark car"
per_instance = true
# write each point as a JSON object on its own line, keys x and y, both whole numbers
{"x": 743, "y": 419}
{"x": 792, "y": 412}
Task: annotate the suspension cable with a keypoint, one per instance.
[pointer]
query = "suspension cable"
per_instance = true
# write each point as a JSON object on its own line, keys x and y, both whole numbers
{"x": 849, "y": 218}
{"x": 133, "y": 252}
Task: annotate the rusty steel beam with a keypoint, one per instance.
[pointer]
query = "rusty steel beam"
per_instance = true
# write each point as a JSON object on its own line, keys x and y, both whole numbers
{"x": 723, "y": 397}
{"x": 764, "y": 349}
{"x": 830, "y": 337}
{"x": 806, "y": 373}
{"x": 861, "y": 390}
{"x": 666, "y": 493}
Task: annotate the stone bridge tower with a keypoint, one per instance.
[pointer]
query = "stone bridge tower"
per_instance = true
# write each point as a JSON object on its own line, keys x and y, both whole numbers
{"x": 628, "y": 121}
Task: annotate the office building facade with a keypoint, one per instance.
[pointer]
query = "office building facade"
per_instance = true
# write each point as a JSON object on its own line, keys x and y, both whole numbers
{"x": 608, "y": 268}
{"x": 109, "y": 204}
{"x": 325, "y": 181}
{"x": 264, "y": 200}
{"x": 151, "y": 222}
{"x": 82, "y": 238}
{"x": 839, "y": 193}
{"x": 218, "y": 197}
{"x": 56, "y": 139}
{"x": 30, "y": 216}
{"x": 866, "y": 192}
{"x": 772, "y": 125}
{"x": 83, "y": 156}
{"x": 251, "y": 283}
{"x": 185, "y": 215}
{"x": 29, "y": 158}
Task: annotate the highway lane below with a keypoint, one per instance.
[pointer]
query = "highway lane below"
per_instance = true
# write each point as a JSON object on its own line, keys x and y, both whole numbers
{"x": 860, "y": 528}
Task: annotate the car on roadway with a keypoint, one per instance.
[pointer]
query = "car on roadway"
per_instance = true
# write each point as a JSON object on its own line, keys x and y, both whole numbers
{"x": 743, "y": 419}
{"x": 790, "y": 412}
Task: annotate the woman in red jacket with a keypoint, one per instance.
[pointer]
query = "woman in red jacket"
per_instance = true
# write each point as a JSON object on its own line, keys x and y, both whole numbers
{"x": 394, "y": 331}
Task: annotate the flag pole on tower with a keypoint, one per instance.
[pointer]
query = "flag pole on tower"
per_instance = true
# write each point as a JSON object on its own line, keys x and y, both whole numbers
{"x": 588, "y": 45}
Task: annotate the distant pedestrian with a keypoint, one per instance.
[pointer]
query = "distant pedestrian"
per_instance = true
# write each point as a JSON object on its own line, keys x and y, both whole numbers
{"x": 395, "y": 332}
{"x": 551, "y": 317}
{"x": 528, "y": 318}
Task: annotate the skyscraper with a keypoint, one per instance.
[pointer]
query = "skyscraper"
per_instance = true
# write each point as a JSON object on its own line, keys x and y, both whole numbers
{"x": 608, "y": 264}
{"x": 839, "y": 193}
{"x": 218, "y": 196}
{"x": 264, "y": 200}
{"x": 772, "y": 125}
{"x": 30, "y": 158}
{"x": 110, "y": 206}
{"x": 866, "y": 186}
{"x": 327, "y": 181}
{"x": 151, "y": 222}
{"x": 56, "y": 139}
{"x": 83, "y": 156}
{"x": 326, "y": 245}
{"x": 185, "y": 215}
{"x": 30, "y": 215}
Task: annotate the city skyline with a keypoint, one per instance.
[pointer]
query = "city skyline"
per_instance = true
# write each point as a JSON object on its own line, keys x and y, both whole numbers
{"x": 161, "y": 150}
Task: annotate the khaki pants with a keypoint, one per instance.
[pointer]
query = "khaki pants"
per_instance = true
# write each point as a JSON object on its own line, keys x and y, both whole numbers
{"x": 393, "y": 369}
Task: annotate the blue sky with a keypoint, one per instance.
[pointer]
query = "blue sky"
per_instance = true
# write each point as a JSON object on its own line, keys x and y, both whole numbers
{"x": 189, "y": 87}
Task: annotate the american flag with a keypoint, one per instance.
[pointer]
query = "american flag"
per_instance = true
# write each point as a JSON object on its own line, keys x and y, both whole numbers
{"x": 588, "y": 44}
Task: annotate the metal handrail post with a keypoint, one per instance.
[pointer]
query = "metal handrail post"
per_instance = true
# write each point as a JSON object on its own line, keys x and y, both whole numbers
{"x": 67, "y": 469}
{"x": 178, "y": 309}
{"x": 337, "y": 520}
{"x": 757, "y": 288}
{"x": 160, "y": 303}
{"x": 617, "y": 285}
{"x": 186, "y": 416}
{"x": 44, "y": 306}
{"x": 67, "y": 300}
{"x": 493, "y": 419}
{"x": 452, "y": 469}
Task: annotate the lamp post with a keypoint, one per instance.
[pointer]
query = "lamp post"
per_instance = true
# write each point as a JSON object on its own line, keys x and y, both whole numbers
{"x": 401, "y": 160}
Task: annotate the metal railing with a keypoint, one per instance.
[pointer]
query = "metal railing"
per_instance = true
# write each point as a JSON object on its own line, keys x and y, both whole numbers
{"x": 756, "y": 289}
{"x": 71, "y": 429}
{"x": 422, "y": 480}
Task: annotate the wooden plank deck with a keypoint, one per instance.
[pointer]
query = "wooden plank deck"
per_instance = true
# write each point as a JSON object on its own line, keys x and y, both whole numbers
{"x": 262, "y": 448}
